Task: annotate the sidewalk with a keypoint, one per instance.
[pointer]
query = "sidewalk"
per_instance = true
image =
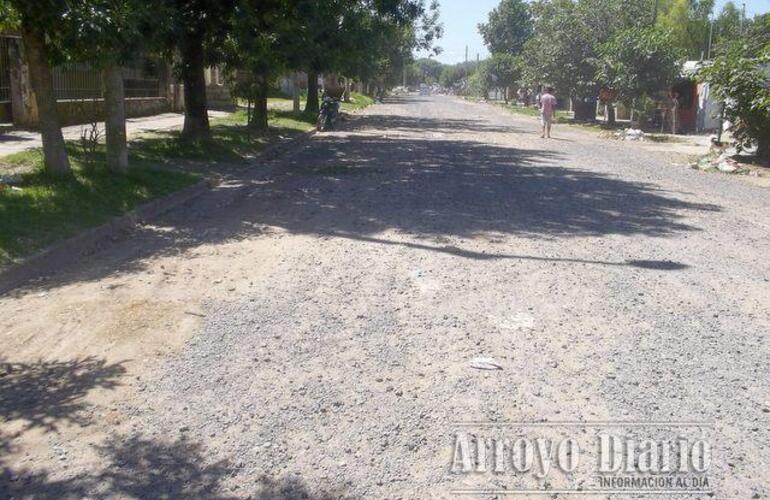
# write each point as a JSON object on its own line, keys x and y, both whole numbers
{"x": 14, "y": 141}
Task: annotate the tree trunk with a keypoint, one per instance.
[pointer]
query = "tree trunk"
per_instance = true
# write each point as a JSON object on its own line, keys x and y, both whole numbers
{"x": 585, "y": 110}
{"x": 115, "y": 118}
{"x": 54, "y": 150}
{"x": 610, "y": 112}
{"x": 259, "y": 121}
{"x": 295, "y": 94}
{"x": 346, "y": 92}
{"x": 763, "y": 151}
{"x": 312, "y": 93}
{"x": 196, "y": 118}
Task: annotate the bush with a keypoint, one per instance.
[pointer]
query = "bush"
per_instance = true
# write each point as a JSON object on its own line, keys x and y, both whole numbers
{"x": 742, "y": 81}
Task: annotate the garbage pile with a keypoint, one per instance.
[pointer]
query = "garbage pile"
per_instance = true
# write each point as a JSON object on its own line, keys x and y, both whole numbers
{"x": 629, "y": 134}
{"x": 633, "y": 134}
{"x": 722, "y": 161}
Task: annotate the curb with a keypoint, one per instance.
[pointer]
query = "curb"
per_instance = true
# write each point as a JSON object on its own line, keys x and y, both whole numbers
{"x": 50, "y": 260}
{"x": 56, "y": 256}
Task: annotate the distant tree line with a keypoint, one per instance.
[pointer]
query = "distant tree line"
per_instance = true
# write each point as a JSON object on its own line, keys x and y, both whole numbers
{"x": 633, "y": 49}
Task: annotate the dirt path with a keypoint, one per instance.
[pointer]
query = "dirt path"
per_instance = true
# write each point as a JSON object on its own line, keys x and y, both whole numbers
{"x": 307, "y": 332}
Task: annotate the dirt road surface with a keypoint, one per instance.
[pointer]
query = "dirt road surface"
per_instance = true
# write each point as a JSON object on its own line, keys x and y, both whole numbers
{"x": 307, "y": 331}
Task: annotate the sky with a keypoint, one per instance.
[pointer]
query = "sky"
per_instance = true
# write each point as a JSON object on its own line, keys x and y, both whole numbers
{"x": 461, "y": 18}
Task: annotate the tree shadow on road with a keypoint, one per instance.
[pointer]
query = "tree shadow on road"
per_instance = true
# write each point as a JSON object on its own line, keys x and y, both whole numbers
{"x": 364, "y": 185}
{"x": 45, "y": 393}
{"x": 293, "y": 488}
{"x": 133, "y": 467}
{"x": 142, "y": 467}
{"x": 359, "y": 184}
{"x": 387, "y": 124}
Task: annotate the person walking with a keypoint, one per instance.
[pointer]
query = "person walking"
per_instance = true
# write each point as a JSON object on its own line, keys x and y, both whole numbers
{"x": 547, "y": 110}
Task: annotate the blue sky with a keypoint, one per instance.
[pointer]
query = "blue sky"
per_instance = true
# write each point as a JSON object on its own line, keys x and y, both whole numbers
{"x": 460, "y": 18}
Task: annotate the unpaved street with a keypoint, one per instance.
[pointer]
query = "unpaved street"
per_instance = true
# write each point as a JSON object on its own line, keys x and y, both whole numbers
{"x": 308, "y": 331}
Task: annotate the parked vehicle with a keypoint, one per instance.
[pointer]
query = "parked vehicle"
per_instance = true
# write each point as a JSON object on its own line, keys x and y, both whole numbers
{"x": 327, "y": 117}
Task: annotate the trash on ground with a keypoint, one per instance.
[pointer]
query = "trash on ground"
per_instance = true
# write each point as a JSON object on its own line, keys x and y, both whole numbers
{"x": 726, "y": 164}
{"x": 485, "y": 364}
{"x": 722, "y": 161}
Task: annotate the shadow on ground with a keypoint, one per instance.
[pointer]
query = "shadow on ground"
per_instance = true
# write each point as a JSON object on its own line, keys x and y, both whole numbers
{"x": 359, "y": 183}
{"x": 44, "y": 394}
{"x": 139, "y": 467}
{"x": 390, "y": 123}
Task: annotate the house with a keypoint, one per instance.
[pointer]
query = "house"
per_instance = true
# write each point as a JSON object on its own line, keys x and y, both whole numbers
{"x": 698, "y": 111}
{"x": 149, "y": 85}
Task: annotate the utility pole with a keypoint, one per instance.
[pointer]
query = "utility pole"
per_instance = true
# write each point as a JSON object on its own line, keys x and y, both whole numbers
{"x": 711, "y": 38}
{"x": 466, "y": 53}
{"x": 743, "y": 16}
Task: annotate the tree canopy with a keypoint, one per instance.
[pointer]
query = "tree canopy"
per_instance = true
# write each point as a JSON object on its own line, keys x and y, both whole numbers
{"x": 638, "y": 62}
{"x": 509, "y": 26}
{"x": 739, "y": 76}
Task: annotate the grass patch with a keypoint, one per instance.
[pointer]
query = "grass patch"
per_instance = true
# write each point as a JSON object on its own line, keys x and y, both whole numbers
{"x": 44, "y": 209}
{"x": 357, "y": 101}
{"x": 289, "y": 121}
{"x": 231, "y": 140}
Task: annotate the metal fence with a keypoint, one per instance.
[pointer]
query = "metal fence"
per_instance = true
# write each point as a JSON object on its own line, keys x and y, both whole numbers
{"x": 138, "y": 87}
{"x": 81, "y": 82}
{"x": 76, "y": 82}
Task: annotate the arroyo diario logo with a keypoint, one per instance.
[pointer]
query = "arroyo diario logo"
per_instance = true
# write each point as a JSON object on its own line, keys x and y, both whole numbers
{"x": 582, "y": 458}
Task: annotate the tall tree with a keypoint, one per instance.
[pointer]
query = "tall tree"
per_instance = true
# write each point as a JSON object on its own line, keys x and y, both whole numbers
{"x": 196, "y": 28}
{"x": 739, "y": 76}
{"x": 109, "y": 34}
{"x": 40, "y": 25}
{"x": 638, "y": 63}
{"x": 505, "y": 71}
{"x": 509, "y": 26}
{"x": 357, "y": 36}
{"x": 251, "y": 54}
{"x": 564, "y": 48}
{"x": 313, "y": 46}
{"x": 727, "y": 25}
{"x": 688, "y": 21}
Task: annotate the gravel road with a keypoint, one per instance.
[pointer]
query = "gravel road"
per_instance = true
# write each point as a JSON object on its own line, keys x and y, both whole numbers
{"x": 340, "y": 294}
